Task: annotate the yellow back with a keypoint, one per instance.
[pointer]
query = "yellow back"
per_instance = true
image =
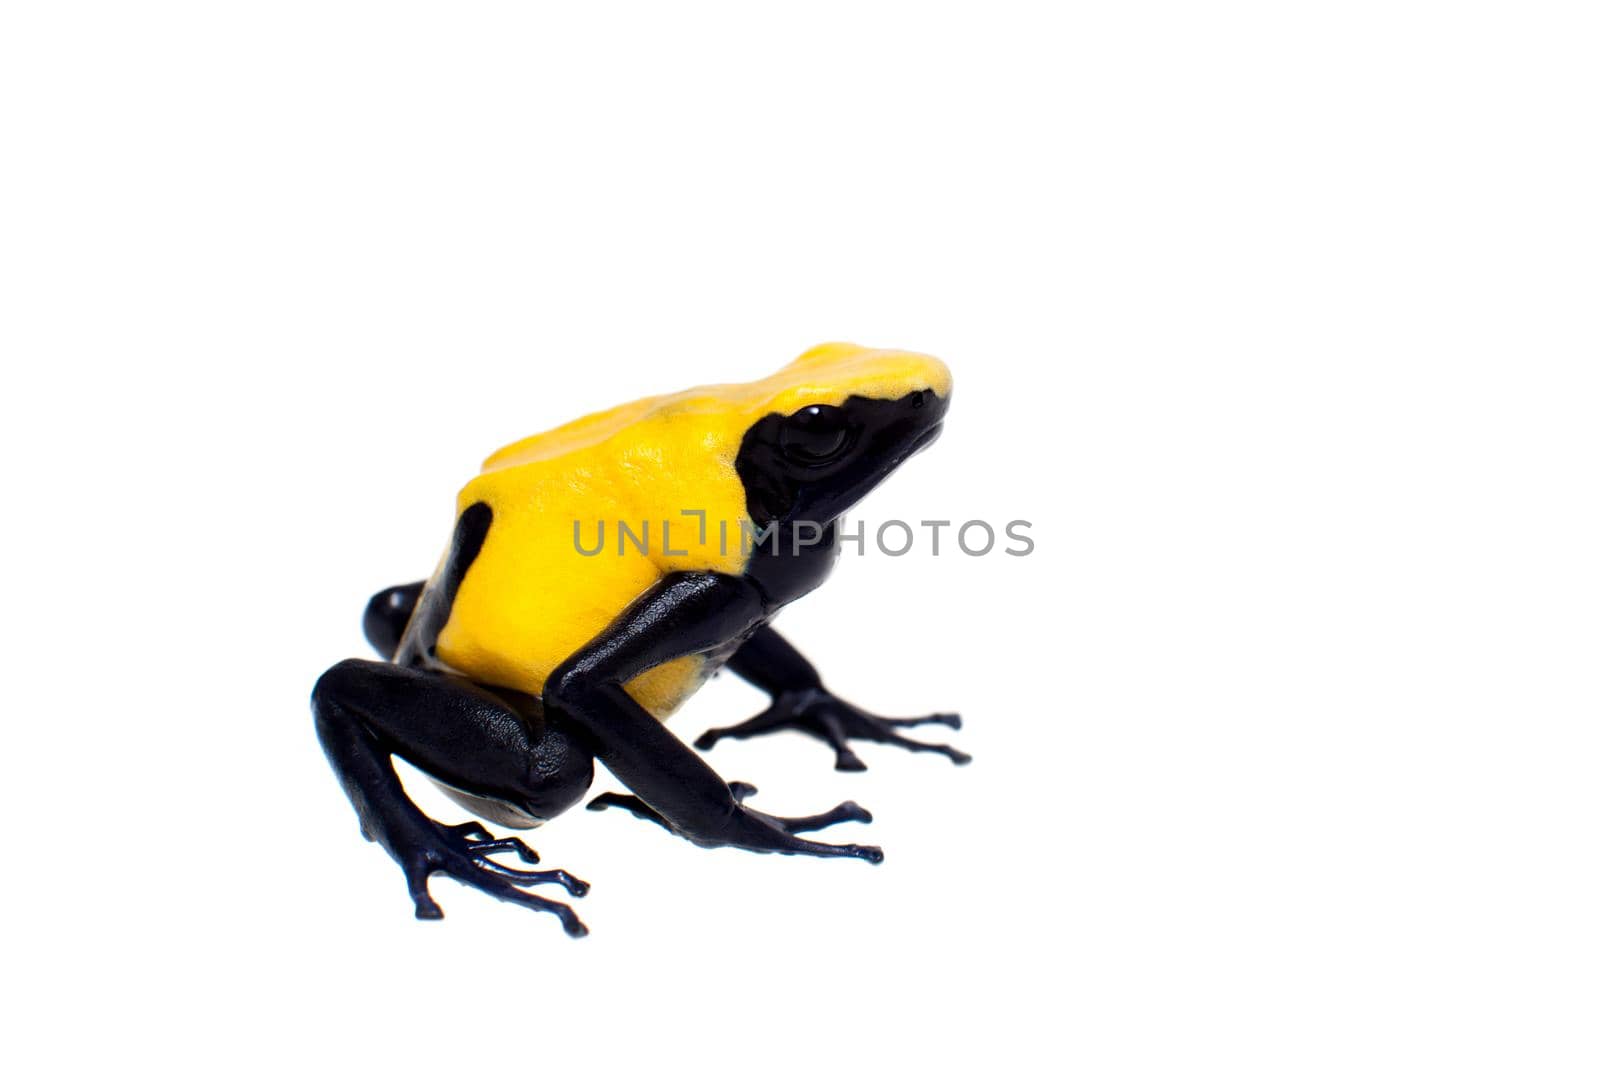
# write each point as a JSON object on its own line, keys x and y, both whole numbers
{"x": 531, "y": 598}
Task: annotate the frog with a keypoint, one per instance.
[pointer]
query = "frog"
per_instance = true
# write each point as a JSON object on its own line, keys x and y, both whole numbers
{"x": 531, "y": 653}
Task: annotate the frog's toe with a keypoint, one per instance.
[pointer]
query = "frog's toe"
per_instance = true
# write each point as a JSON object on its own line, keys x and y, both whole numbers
{"x": 480, "y": 841}
{"x": 849, "y": 811}
{"x": 845, "y": 758}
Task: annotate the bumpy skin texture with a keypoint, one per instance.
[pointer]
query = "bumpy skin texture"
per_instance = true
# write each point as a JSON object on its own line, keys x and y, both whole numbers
{"x": 524, "y": 659}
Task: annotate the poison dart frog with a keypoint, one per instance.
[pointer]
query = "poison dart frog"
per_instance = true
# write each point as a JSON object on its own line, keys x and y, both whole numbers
{"x": 530, "y": 653}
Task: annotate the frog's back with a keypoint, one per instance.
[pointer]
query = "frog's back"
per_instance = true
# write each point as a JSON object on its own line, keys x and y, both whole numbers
{"x": 510, "y": 608}
{"x": 552, "y": 570}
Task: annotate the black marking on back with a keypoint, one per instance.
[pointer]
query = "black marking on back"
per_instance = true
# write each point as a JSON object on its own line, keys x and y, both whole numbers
{"x": 422, "y": 636}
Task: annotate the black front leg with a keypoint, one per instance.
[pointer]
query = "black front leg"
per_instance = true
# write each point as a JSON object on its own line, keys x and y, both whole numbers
{"x": 801, "y": 702}
{"x": 683, "y": 614}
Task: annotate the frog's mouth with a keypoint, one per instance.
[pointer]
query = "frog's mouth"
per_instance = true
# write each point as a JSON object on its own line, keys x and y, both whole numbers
{"x": 921, "y": 441}
{"x": 925, "y": 407}
{"x": 926, "y": 438}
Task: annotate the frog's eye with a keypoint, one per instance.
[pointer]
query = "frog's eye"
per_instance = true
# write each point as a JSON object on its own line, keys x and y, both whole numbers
{"x": 814, "y": 434}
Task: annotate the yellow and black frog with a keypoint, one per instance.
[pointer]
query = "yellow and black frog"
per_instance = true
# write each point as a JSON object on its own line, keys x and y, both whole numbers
{"x": 538, "y": 646}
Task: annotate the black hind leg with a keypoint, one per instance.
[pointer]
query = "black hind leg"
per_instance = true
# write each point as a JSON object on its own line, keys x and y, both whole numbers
{"x": 471, "y": 740}
{"x": 387, "y": 614}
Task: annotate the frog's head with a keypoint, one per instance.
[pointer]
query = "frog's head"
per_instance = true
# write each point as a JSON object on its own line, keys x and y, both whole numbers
{"x": 833, "y": 424}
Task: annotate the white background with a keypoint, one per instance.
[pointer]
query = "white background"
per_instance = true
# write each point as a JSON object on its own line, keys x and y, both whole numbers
{"x": 1278, "y": 323}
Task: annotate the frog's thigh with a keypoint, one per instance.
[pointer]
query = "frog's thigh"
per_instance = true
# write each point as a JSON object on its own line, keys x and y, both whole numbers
{"x": 474, "y": 742}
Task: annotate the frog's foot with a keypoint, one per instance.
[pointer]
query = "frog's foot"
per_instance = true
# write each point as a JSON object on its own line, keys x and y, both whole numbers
{"x": 836, "y": 723}
{"x": 423, "y": 848}
{"x": 341, "y": 706}
{"x": 462, "y": 853}
{"x": 849, "y": 811}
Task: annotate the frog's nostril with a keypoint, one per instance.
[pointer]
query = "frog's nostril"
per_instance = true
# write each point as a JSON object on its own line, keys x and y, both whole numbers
{"x": 918, "y": 399}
